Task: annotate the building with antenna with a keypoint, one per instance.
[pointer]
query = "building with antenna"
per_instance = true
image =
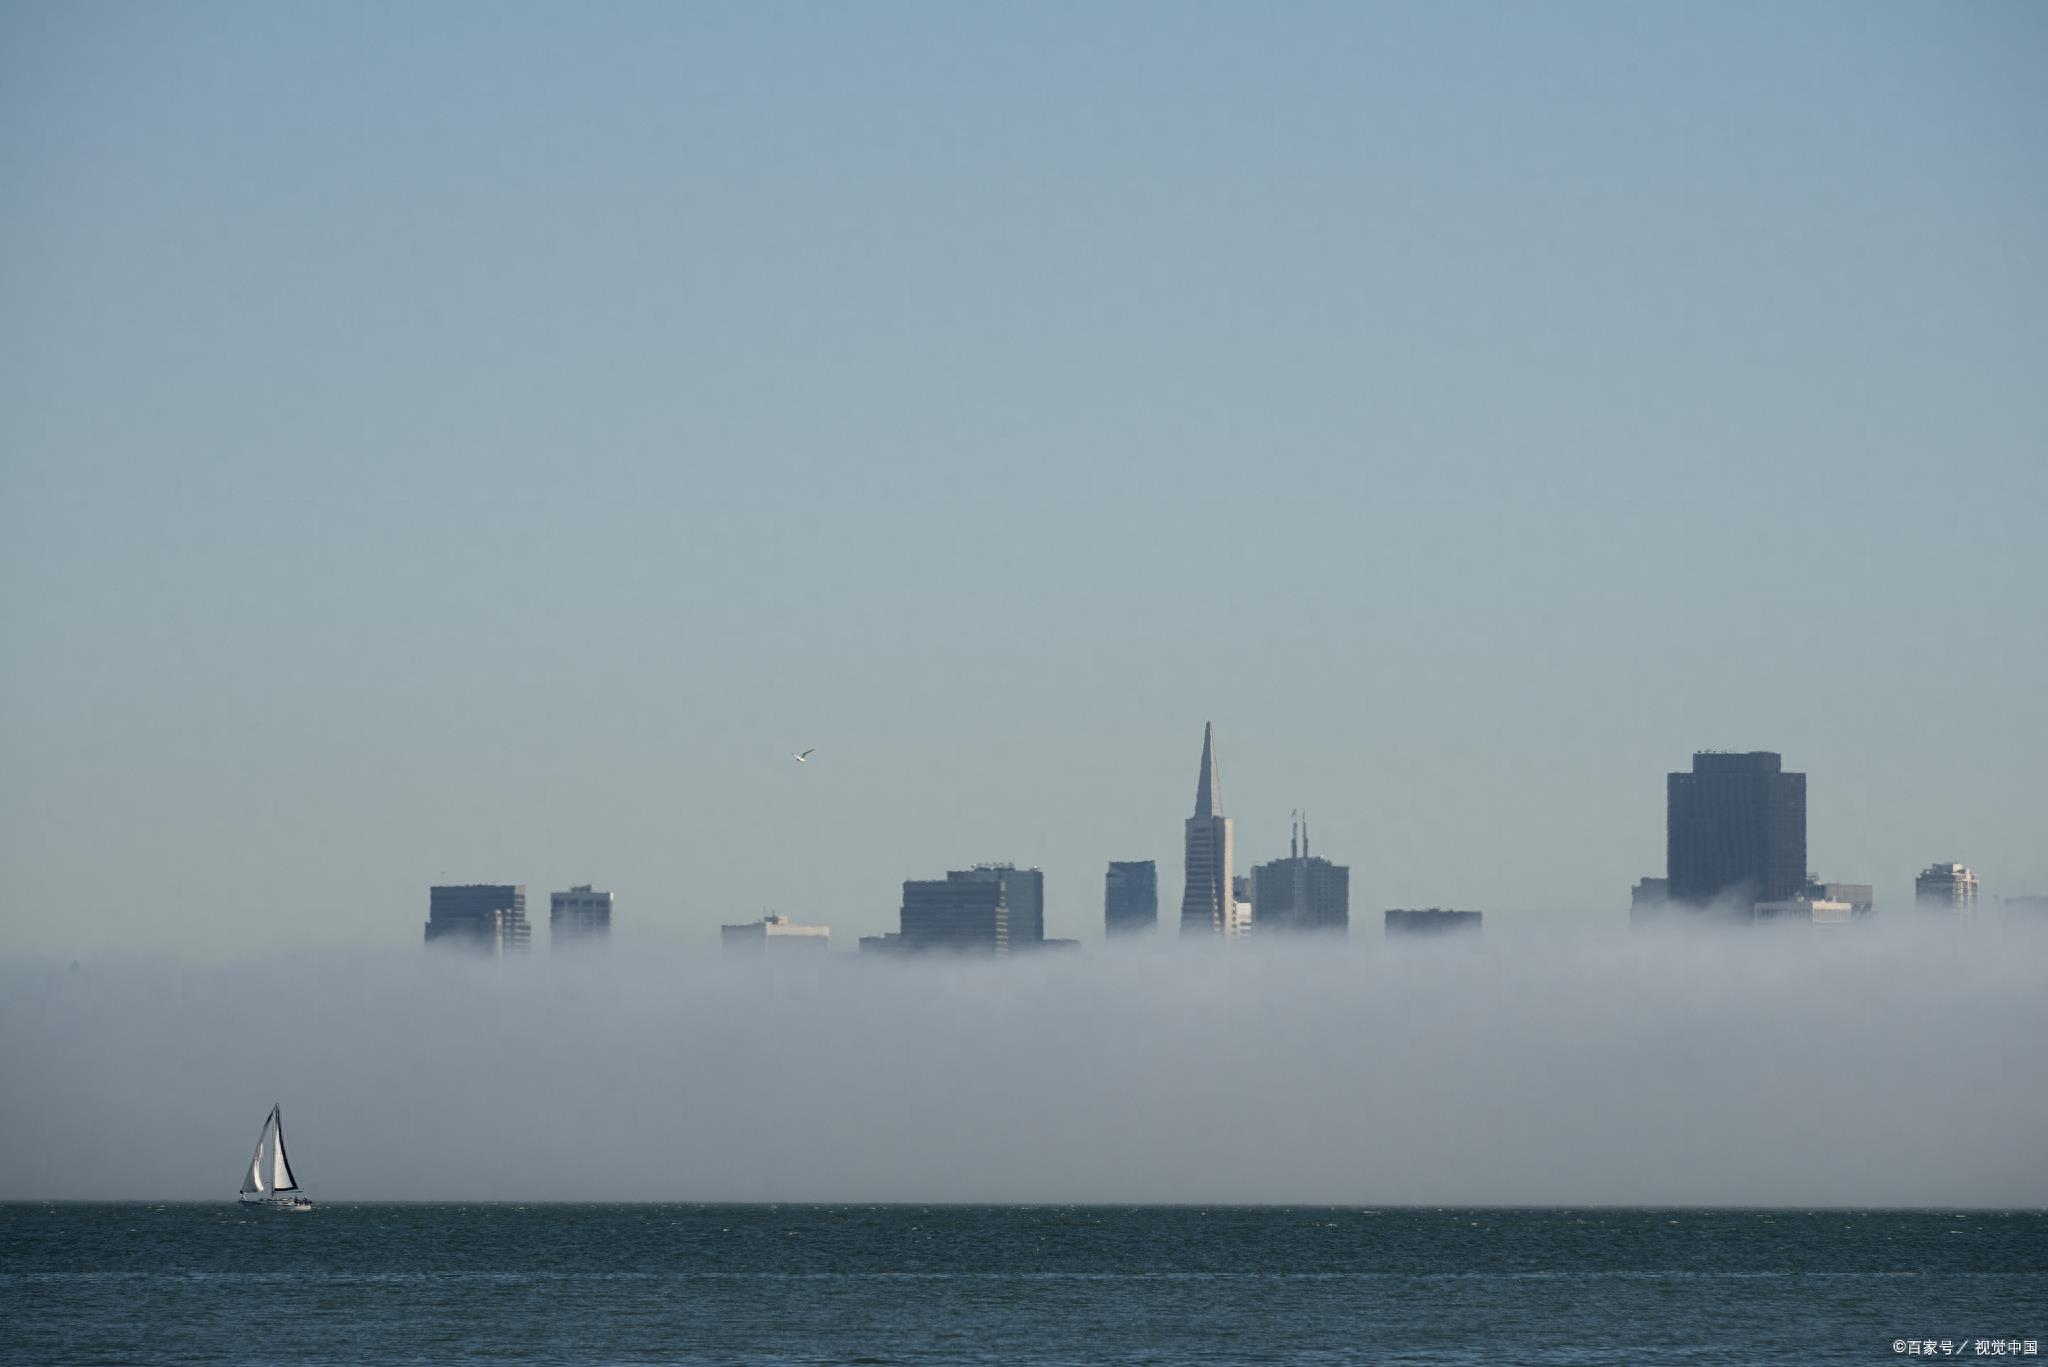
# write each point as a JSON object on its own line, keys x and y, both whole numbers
{"x": 1303, "y": 892}
{"x": 1208, "y": 904}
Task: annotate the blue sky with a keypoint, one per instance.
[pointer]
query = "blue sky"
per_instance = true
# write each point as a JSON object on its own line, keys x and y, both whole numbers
{"x": 481, "y": 442}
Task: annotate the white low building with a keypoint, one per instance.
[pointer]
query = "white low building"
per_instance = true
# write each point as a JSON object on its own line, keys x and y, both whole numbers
{"x": 1819, "y": 913}
{"x": 778, "y": 933}
{"x": 1240, "y": 920}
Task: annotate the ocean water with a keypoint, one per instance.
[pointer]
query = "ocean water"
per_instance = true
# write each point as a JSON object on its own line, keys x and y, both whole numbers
{"x": 547, "y": 1284}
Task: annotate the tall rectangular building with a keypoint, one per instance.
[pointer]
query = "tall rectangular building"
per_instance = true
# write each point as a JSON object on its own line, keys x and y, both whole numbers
{"x": 1130, "y": 898}
{"x": 1023, "y": 895}
{"x": 581, "y": 915}
{"x": 1948, "y": 888}
{"x": 1735, "y": 827}
{"x": 486, "y": 917}
{"x": 955, "y": 915}
{"x": 1302, "y": 892}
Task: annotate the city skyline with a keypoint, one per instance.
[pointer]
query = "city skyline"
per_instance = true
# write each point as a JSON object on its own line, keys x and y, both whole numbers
{"x": 1735, "y": 829}
{"x": 497, "y": 460}
{"x": 779, "y": 488}
{"x": 1075, "y": 913}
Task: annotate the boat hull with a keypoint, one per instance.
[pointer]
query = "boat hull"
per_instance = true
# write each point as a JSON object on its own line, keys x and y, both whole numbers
{"x": 278, "y": 1202}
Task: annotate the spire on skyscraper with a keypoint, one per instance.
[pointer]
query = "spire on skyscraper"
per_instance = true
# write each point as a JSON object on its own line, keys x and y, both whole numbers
{"x": 1208, "y": 788}
{"x": 1209, "y": 905}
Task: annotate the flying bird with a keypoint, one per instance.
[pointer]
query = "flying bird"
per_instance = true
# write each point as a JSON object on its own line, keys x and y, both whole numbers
{"x": 805, "y": 757}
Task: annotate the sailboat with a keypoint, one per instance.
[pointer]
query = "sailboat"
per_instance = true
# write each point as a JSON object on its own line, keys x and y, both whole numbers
{"x": 269, "y": 1181}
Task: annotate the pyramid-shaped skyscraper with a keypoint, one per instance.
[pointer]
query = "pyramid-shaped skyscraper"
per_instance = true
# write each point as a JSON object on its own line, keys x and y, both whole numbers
{"x": 1208, "y": 906}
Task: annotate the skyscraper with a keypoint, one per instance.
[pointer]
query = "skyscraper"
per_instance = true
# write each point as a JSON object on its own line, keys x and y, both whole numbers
{"x": 581, "y": 915}
{"x": 1302, "y": 892}
{"x": 1949, "y": 888}
{"x": 488, "y": 917}
{"x": 1207, "y": 905}
{"x": 1735, "y": 827}
{"x": 1023, "y": 895}
{"x": 961, "y": 915}
{"x": 1130, "y": 898}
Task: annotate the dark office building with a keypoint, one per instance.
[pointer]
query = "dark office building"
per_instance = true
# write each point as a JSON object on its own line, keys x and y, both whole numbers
{"x": 582, "y": 915}
{"x": 1735, "y": 827}
{"x": 1308, "y": 893}
{"x": 488, "y": 917}
{"x": 1301, "y": 893}
{"x": 1023, "y": 894}
{"x": 1130, "y": 898}
{"x": 1433, "y": 921}
{"x": 954, "y": 914}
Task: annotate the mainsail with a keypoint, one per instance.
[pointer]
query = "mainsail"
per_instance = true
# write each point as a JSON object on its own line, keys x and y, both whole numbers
{"x": 281, "y": 1178}
{"x": 265, "y": 1178}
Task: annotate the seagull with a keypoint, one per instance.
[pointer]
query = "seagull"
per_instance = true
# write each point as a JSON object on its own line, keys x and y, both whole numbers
{"x": 805, "y": 757}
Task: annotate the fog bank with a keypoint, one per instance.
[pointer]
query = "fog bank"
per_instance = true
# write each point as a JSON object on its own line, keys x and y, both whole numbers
{"x": 1891, "y": 1065}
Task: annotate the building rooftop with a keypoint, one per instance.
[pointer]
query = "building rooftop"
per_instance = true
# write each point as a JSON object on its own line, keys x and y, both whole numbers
{"x": 1737, "y": 761}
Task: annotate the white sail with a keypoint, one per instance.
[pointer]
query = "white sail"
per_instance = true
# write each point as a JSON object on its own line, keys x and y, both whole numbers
{"x": 269, "y": 1181}
{"x": 281, "y": 1178}
{"x": 254, "y": 1184}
